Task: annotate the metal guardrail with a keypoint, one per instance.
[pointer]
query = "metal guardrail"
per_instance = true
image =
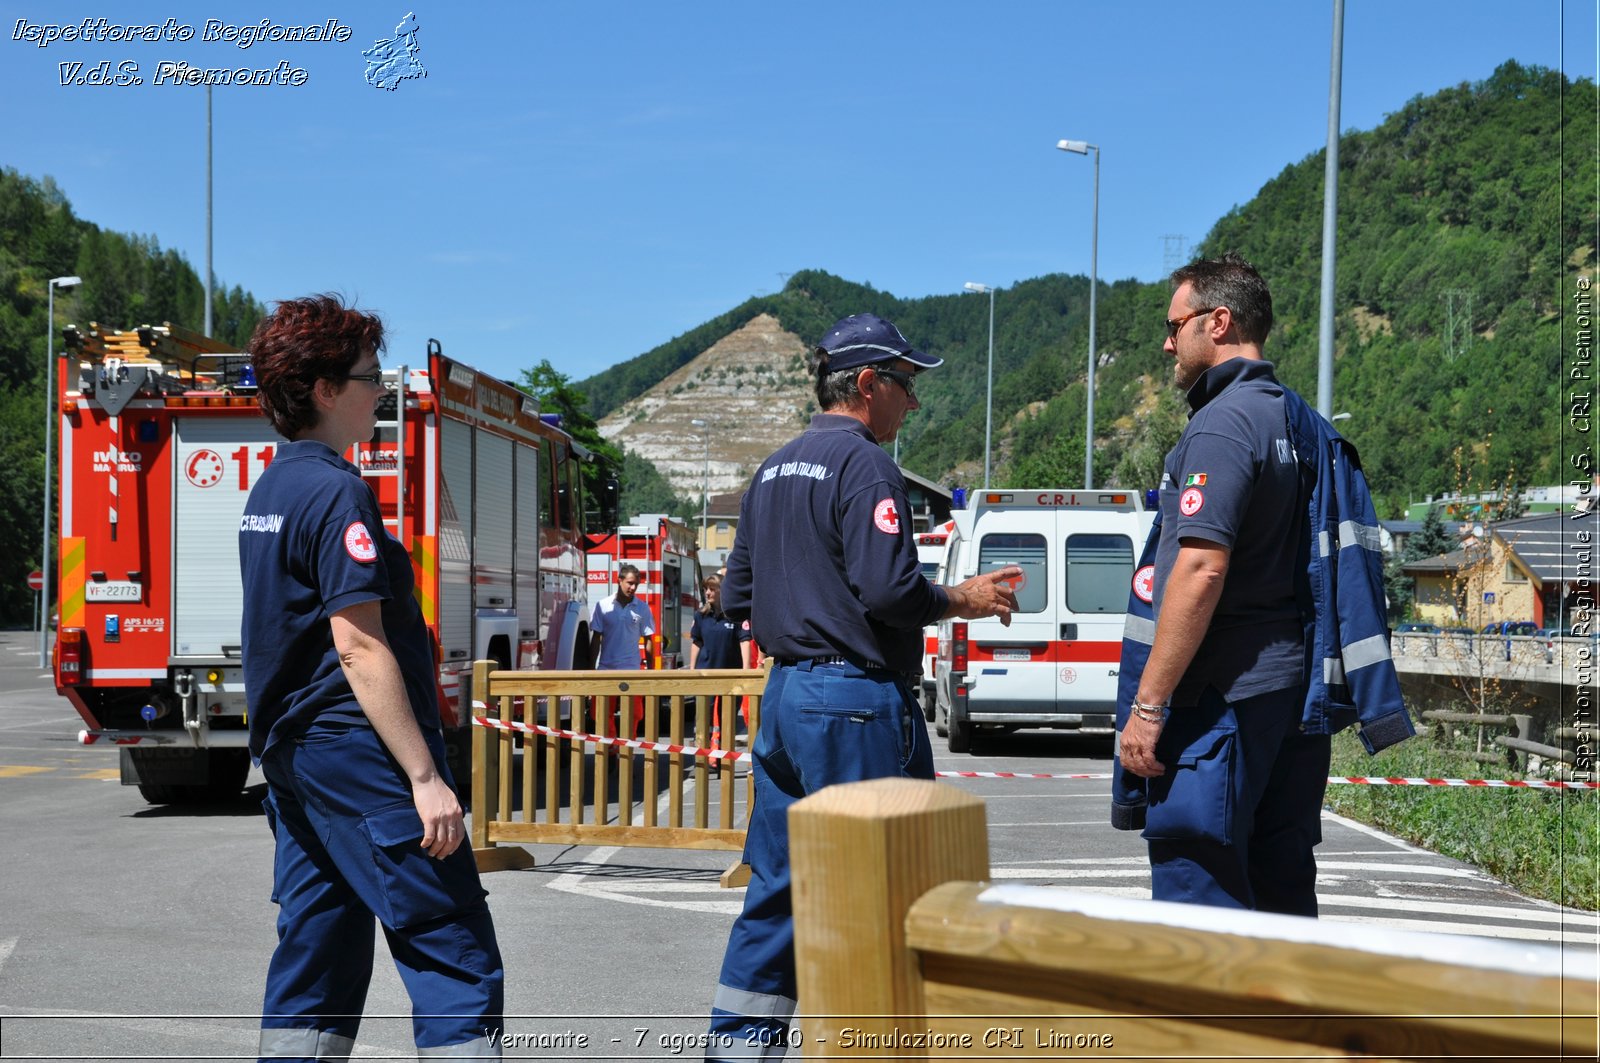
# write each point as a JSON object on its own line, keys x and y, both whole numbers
{"x": 1532, "y": 658}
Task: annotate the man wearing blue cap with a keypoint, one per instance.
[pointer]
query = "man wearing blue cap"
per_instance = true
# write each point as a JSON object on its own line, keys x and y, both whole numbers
{"x": 825, "y": 569}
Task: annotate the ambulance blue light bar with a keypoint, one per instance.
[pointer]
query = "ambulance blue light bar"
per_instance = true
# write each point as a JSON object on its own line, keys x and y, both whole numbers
{"x": 1113, "y": 500}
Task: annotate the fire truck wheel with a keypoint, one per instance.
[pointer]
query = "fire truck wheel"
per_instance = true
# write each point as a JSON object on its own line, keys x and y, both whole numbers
{"x": 229, "y": 770}
{"x": 171, "y": 777}
{"x": 164, "y": 793}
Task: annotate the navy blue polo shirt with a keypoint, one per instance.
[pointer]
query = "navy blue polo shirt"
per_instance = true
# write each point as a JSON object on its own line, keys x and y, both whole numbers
{"x": 823, "y": 563}
{"x": 311, "y": 542}
{"x": 1233, "y": 479}
{"x": 720, "y": 638}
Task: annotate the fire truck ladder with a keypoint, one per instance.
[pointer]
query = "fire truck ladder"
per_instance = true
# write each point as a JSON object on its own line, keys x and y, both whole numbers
{"x": 389, "y": 438}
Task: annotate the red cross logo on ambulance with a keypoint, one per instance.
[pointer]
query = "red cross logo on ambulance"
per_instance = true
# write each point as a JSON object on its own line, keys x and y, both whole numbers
{"x": 358, "y": 543}
{"x": 1190, "y": 501}
{"x": 886, "y": 517}
{"x": 204, "y": 468}
{"x": 1144, "y": 584}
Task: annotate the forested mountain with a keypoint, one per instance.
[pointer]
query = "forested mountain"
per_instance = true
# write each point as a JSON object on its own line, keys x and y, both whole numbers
{"x": 1472, "y": 208}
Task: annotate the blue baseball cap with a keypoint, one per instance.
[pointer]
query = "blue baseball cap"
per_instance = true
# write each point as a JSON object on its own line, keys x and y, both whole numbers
{"x": 862, "y": 339}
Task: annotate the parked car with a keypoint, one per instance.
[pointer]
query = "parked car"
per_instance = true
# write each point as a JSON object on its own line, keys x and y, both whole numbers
{"x": 1511, "y": 627}
{"x": 1416, "y": 627}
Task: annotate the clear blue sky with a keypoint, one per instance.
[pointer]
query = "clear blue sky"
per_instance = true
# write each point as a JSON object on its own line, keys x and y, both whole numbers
{"x": 582, "y": 181}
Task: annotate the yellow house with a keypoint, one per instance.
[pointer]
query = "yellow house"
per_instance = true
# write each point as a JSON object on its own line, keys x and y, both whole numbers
{"x": 1528, "y": 568}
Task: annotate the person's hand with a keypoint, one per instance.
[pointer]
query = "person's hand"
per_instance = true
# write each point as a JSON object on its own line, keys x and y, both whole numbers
{"x": 443, "y": 823}
{"x": 987, "y": 594}
{"x": 1137, "y": 747}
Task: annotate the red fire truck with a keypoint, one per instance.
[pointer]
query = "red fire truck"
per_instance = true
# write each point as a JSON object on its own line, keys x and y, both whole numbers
{"x": 665, "y": 553}
{"x": 161, "y": 440}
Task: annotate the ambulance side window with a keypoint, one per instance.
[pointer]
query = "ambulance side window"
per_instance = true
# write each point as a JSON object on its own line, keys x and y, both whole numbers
{"x": 1026, "y": 551}
{"x": 1099, "y": 569}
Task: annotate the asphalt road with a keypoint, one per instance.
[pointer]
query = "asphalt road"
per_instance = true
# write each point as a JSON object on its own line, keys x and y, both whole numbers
{"x": 129, "y": 931}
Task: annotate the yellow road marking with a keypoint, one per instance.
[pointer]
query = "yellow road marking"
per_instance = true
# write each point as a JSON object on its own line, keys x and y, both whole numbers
{"x": 103, "y": 773}
{"x": 16, "y": 771}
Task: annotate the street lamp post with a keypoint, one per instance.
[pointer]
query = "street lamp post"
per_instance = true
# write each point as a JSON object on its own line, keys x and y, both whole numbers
{"x": 988, "y": 401}
{"x": 49, "y": 461}
{"x": 1080, "y": 147}
{"x": 705, "y": 482}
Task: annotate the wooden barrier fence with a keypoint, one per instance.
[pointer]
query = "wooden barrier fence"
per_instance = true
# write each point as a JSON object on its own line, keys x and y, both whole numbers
{"x": 898, "y": 957}
{"x": 531, "y": 802}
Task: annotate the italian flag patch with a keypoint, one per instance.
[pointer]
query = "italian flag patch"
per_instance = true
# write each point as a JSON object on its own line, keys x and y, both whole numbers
{"x": 1196, "y": 479}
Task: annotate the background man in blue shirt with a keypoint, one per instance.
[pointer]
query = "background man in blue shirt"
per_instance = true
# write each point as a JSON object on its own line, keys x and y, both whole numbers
{"x": 825, "y": 569}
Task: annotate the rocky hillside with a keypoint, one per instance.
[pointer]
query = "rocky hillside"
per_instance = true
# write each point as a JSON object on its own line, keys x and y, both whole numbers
{"x": 750, "y": 387}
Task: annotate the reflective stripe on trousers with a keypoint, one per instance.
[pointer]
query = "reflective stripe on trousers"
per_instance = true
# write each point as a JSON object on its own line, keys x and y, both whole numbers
{"x": 325, "y": 1046}
{"x": 305, "y": 1044}
{"x": 477, "y": 1048}
{"x": 761, "y": 1005}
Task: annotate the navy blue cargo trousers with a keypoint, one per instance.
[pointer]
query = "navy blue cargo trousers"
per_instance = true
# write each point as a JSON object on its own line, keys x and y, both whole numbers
{"x": 821, "y": 724}
{"x": 1234, "y": 820}
{"x": 347, "y": 834}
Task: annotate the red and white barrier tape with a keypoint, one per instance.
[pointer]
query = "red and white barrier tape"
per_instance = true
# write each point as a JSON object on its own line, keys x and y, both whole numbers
{"x": 738, "y": 754}
{"x": 608, "y": 740}
{"x": 1512, "y": 784}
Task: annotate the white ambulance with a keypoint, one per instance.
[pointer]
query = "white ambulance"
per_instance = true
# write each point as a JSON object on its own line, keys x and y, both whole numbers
{"x": 1056, "y": 665}
{"x": 932, "y": 548}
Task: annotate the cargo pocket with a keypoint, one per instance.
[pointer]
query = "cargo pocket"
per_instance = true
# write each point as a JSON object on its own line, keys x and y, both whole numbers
{"x": 1194, "y": 800}
{"x": 415, "y": 888}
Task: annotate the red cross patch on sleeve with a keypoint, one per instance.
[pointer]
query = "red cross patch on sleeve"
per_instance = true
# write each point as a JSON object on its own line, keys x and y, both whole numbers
{"x": 1144, "y": 584}
{"x": 886, "y": 517}
{"x": 358, "y": 543}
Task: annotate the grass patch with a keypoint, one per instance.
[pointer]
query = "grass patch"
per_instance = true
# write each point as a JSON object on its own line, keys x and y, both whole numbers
{"x": 1545, "y": 843}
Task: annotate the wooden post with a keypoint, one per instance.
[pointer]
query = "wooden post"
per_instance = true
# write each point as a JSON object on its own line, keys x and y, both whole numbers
{"x": 861, "y": 855}
{"x": 480, "y": 760}
{"x": 491, "y": 775}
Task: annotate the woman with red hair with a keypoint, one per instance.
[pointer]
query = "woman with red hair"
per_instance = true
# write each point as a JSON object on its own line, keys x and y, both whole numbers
{"x": 344, "y": 721}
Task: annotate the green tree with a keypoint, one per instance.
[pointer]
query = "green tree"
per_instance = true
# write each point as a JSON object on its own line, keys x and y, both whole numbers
{"x": 556, "y": 394}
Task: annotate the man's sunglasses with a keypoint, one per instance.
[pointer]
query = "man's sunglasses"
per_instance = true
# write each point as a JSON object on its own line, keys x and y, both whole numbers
{"x": 374, "y": 377}
{"x": 904, "y": 379}
{"x": 1174, "y": 326}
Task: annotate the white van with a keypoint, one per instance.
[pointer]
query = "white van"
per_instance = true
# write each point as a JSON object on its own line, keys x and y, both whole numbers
{"x": 932, "y": 547}
{"x": 1056, "y": 665}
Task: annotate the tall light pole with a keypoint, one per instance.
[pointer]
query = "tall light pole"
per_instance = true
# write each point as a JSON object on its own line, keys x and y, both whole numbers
{"x": 49, "y": 462}
{"x": 1080, "y": 147}
{"x": 705, "y": 483}
{"x": 1330, "y": 216}
{"x": 988, "y": 400}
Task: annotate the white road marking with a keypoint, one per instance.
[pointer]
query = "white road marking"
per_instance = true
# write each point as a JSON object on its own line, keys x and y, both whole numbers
{"x": 7, "y": 947}
{"x": 1056, "y": 823}
{"x": 1479, "y": 930}
{"x": 1373, "y": 832}
{"x": 1404, "y": 869}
